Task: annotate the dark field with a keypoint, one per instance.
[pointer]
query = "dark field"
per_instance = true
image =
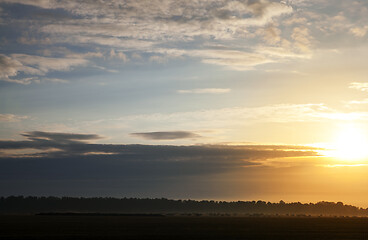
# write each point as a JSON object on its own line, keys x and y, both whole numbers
{"x": 150, "y": 227}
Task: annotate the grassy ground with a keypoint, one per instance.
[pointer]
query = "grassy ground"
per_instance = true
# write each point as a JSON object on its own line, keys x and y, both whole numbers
{"x": 141, "y": 227}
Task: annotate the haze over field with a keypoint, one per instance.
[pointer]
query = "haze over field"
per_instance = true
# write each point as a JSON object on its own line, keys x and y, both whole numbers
{"x": 210, "y": 99}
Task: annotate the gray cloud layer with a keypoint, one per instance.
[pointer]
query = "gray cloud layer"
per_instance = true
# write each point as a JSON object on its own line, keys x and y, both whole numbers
{"x": 64, "y": 159}
{"x": 166, "y": 135}
{"x": 63, "y": 147}
{"x": 62, "y": 137}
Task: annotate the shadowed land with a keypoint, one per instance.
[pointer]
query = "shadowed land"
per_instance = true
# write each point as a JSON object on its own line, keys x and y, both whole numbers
{"x": 133, "y": 218}
{"x": 173, "y": 227}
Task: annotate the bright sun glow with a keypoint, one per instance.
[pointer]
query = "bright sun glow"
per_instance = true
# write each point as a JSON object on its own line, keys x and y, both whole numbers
{"x": 351, "y": 144}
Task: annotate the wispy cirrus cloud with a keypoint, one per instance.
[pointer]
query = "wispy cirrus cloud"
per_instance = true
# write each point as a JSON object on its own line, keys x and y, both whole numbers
{"x": 139, "y": 28}
{"x": 188, "y": 28}
{"x": 362, "y": 86}
{"x": 12, "y": 118}
{"x": 357, "y": 102}
{"x": 220, "y": 125}
{"x": 234, "y": 59}
{"x": 34, "y": 67}
{"x": 41, "y": 65}
{"x": 281, "y": 113}
{"x": 151, "y": 22}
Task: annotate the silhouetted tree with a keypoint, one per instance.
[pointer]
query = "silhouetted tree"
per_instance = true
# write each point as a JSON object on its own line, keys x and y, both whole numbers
{"x": 20, "y": 204}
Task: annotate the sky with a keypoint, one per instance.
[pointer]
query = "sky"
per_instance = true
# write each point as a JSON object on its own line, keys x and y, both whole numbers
{"x": 210, "y": 99}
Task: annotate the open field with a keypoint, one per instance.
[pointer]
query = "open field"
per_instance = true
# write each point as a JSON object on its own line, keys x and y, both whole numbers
{"x": 170, "y": 227}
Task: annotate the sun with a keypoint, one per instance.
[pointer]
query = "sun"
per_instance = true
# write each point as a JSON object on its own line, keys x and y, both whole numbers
{"x": 350, "y": 144}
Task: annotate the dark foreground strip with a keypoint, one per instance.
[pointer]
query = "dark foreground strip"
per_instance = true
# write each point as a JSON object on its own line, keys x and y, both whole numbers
{"x": 101, "y": 214}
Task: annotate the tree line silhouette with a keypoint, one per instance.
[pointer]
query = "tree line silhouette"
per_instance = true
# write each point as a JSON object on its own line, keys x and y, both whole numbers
{"x": 32, "y": 205}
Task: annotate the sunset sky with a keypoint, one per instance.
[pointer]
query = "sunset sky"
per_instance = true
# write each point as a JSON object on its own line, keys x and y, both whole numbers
{"x": 209, "y": 99}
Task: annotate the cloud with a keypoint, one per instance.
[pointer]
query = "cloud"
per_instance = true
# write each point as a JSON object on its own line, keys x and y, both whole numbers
{"x": 11, "y": 118}
{"x": 282, "y": 113}
{"x": 34, "y": 66}
{"x": 145, "y": 26}
{"x": 85, "y": 55}
{"x": 259, "y": 8}
{"x": 8, "y": 67}
{"x": 234, "y": 59}
{"x": 230, "y": 124}
{"x": 302, "y": 38}
{"x": 357, "y": 102}
{"x": 56, "y": 164}
{"x": 74, "y": 145}
{"x": 142, "y": 28}
{"x": 136, "y": 56}
{"x": 34, "y": 41}
{"x": 267, "y": 9}
{"x": 359, "y": 32}
{"x": 54, "y": 80}
{"x": 362, "y": 86}
{"x": 72, "y": 163}
{"x": 166, "y": 135}
{"x": 37, "y": 135}
{"x": 64, "y": 143}
{"x": 41, "y": 65}
{"x": 173, "y": 20}
{"x": 71, "y": 144}
{"x": 272, "y": 34}
{"x": 158, "y": 59}
{"x": 206, "y": 90}
{"x": 36, "y": 3}
{"x": 251, "y": 33}
{"x": 247, "y": 59}
{"x": 118, "y": 55}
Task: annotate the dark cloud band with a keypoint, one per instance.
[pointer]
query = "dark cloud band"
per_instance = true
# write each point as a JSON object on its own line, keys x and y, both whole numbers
{"x": 64, "y": 163}
{"x": 166, "y": 135}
